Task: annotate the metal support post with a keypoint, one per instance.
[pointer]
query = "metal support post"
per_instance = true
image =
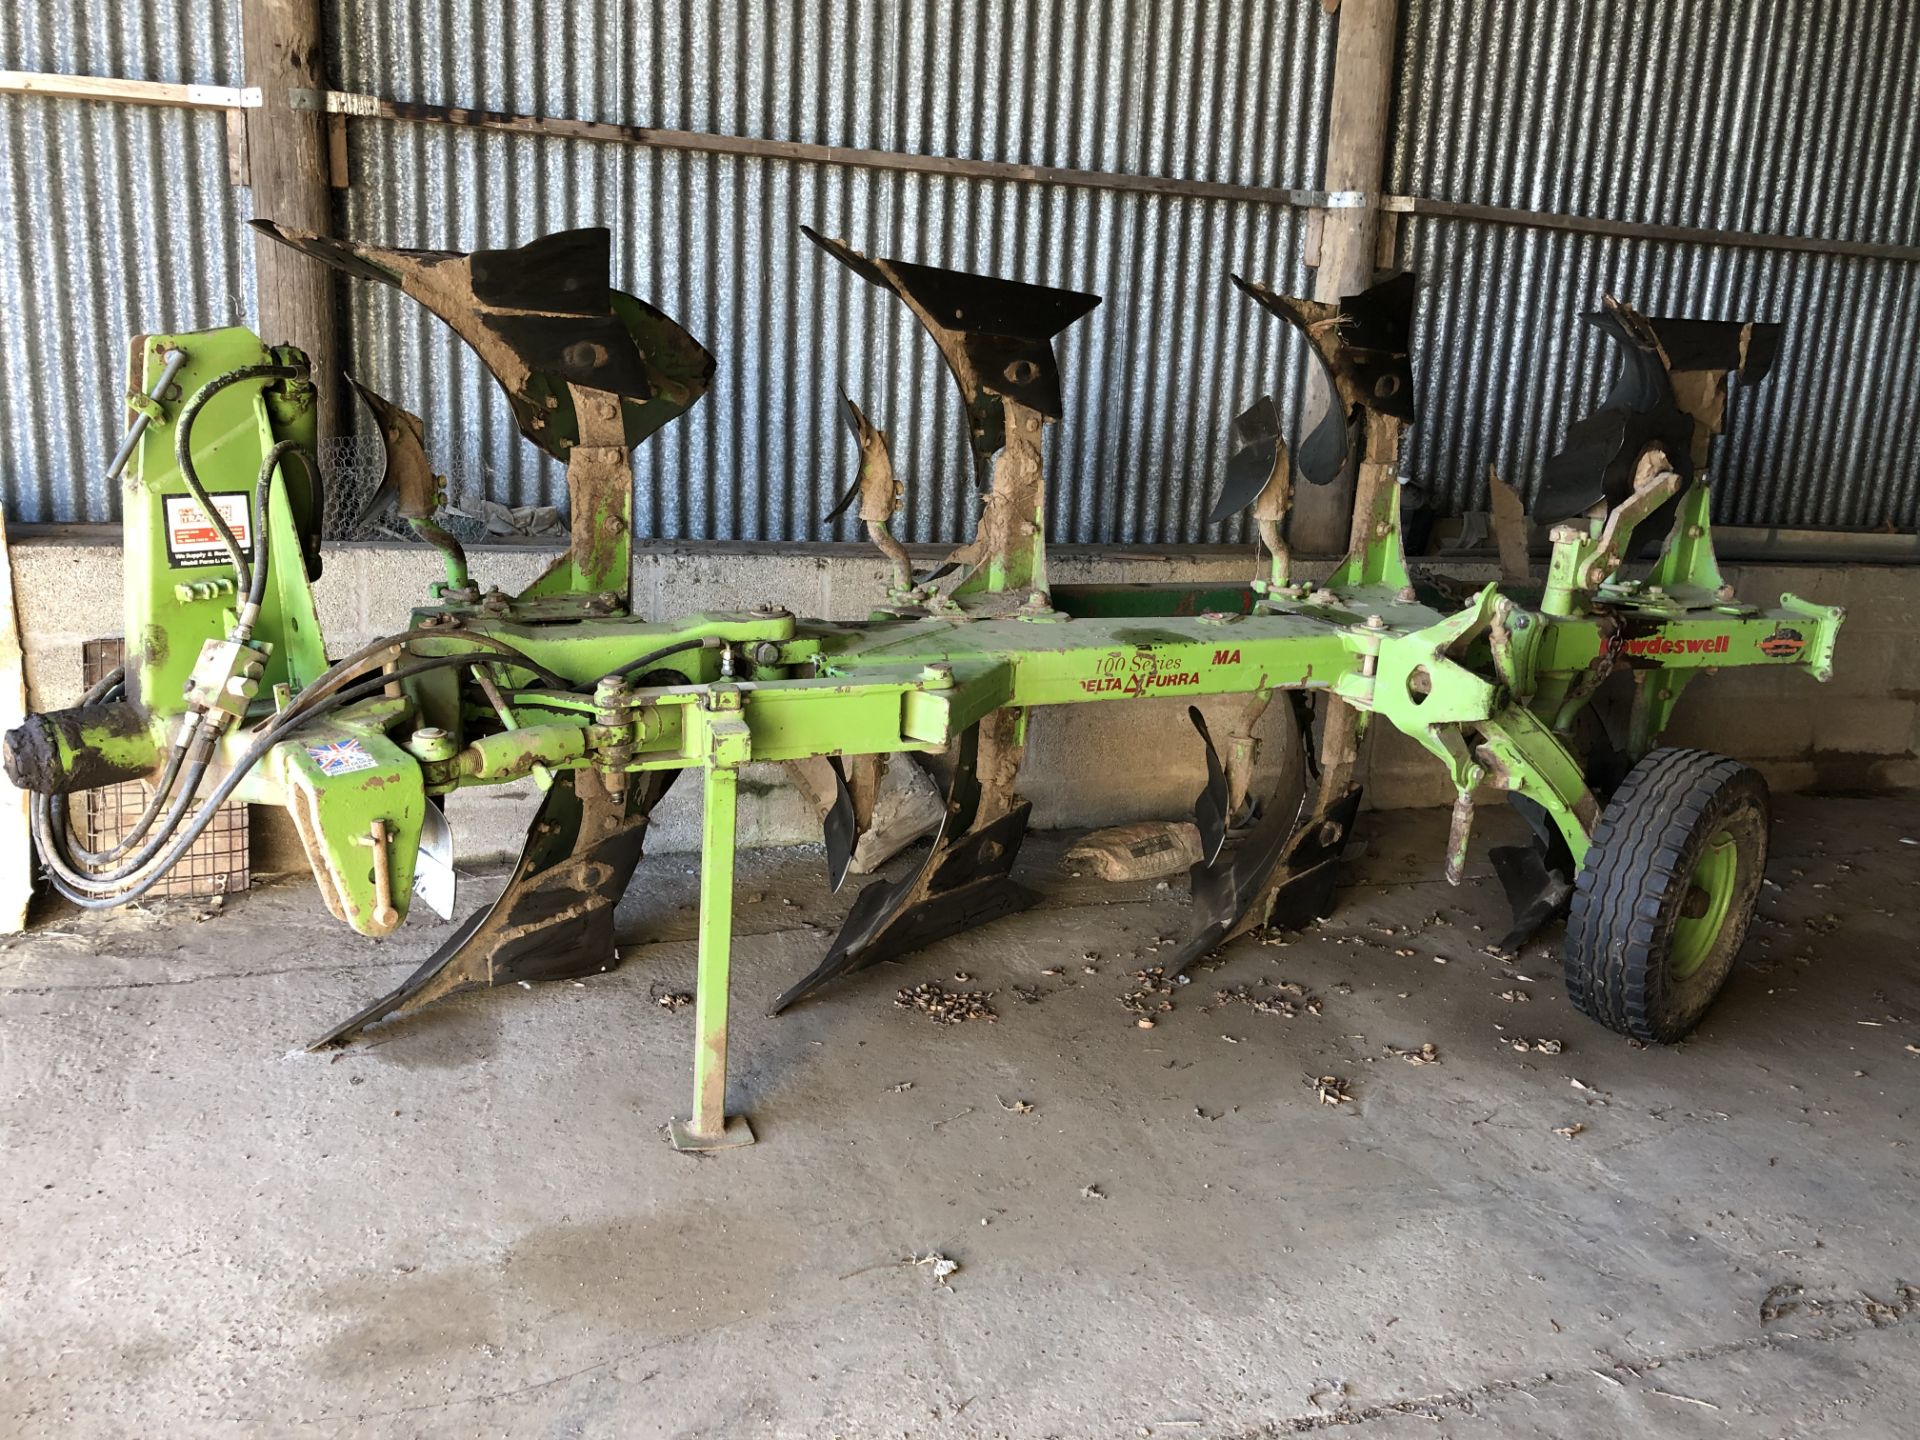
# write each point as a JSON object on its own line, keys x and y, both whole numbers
{"x": 710, "y": 1127}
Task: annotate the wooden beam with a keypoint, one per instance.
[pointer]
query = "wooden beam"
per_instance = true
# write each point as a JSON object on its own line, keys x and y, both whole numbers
{"x": 127, "y": 92}
{"x": 1635, "y": 230}
{"x": 749, "y": 147}
{"x": 349, "y": 105}
{"x": 288, "y": 163}
{"x": 1349, "y": 231}
{"x": 16, "y": 836}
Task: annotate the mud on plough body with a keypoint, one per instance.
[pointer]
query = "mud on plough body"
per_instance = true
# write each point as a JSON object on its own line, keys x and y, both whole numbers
{"x": 604, "y": 708}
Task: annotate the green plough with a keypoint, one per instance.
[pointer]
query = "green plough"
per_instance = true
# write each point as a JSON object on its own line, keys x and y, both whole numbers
{"x": 1653, "y": 855}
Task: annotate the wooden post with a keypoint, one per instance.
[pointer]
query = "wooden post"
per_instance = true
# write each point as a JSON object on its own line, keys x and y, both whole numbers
{"x": 1350, "y": 227}
{"x": 287, "y": 165}
{"x": 16, "y": 835}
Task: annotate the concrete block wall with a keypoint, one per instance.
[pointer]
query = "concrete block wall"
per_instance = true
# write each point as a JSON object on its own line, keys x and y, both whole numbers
{"x": 1090, "y": 764}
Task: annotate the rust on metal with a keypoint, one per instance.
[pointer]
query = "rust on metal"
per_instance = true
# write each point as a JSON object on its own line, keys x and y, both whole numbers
{"x": 996, "y": 335}
{"x": 877, "y": 491}
{"x": 554, "y": 919}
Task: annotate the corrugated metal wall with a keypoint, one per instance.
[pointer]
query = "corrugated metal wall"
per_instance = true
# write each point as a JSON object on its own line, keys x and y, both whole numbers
{"x": 1791, "y": 116}
{"x": 115, "y": 220}
{"x": 1794, "y": 117}
{"x": 1229, "y": 90}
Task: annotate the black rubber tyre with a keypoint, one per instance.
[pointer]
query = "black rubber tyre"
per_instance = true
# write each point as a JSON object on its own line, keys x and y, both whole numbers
{"x": 1662, "y": 901}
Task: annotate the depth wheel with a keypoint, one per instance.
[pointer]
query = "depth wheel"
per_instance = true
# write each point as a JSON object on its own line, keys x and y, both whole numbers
{"x": 1661, "y": 904}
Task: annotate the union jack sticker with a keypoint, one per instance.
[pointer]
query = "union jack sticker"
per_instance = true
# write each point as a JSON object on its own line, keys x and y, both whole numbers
{"x": 341, "y": 757}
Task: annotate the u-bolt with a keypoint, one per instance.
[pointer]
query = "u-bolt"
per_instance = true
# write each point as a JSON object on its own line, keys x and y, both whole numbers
{"x": 171, "y": 364}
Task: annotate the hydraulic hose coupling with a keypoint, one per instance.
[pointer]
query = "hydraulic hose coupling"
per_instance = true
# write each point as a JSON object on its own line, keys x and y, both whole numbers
{"x": 225, "y": 679}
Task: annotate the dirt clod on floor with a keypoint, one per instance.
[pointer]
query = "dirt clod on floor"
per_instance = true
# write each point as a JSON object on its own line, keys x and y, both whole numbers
{"x": 941, "y": 1265}
{"x": 1426, "y": 1054}
{"x": 944, "y": 1006}
{"x": 1286, "y": 1000}
{"x": 1331, "y": 1089}
{"x": 1150, "y": 992}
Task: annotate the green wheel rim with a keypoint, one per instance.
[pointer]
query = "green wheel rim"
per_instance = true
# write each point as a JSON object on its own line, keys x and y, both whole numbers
{"x": 1704, "y": 907}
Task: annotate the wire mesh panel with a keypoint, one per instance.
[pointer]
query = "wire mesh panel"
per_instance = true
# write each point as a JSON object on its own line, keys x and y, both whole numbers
{"x": 354, "y": 465}
{"x": 215, "y": 864}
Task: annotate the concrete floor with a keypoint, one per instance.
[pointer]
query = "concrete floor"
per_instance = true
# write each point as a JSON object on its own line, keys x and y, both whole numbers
{"x": 471, "y": 1224}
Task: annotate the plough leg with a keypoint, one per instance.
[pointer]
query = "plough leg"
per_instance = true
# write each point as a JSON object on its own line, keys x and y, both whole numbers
{"x": 965, "y": 879}
{"x": 1282, "y": 873}
{"x": 710, "y": 1127}
{"x": 554, "y": 920}
{"x": 1537, "y": 878}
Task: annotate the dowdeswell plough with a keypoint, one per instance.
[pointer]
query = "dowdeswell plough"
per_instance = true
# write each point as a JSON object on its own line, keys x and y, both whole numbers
{"x": 1654, "y": 855}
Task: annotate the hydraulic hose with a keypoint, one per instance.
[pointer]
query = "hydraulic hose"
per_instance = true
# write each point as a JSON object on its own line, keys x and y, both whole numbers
{"x": 334, "y": 689}
{"x": 113, "y": 680}
{"x": 704, "y": 642}
{"x": 162, "y": 790}
{"x": 107, "y": 687}
{"x": 183, "y": 797}
{"x": 142, "y": 874}
{"x": 333, "y": 680}
{"x": 342, "y": 671}
{"x": 183, "y": 457}
{"x": 256, "y": 589}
